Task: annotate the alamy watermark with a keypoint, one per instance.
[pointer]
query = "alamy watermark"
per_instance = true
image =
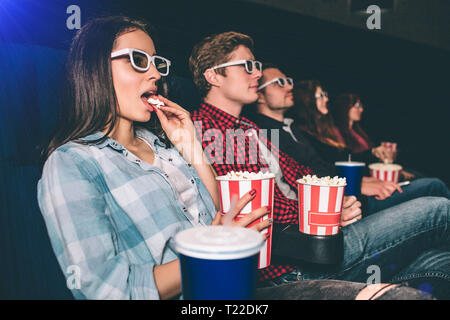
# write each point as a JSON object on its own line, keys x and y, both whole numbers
{"x": 375, "y": 274}
{"x": 74, "y": 20}
{"x": 238, "y": 146}
{"x": 74, "y": 277}
{"x": 374, "y": 20}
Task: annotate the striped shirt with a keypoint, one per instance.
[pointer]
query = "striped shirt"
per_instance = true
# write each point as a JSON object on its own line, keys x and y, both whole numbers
{"x": 112, "y": 217}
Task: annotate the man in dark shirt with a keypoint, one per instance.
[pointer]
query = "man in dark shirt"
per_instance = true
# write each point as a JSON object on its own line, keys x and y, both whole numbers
{"x": 275, "y": 98}
{"x": 271, "y": 115}
{"x": 226, "y": 74}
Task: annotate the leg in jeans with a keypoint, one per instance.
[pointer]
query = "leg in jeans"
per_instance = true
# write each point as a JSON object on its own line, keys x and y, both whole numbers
{"x": 393, "y": 243}
{"x": 334, "y": 290}
{"x": 429, "y": 273}
{"x": 311, "y": 290}
{"x": 425, "y": 187}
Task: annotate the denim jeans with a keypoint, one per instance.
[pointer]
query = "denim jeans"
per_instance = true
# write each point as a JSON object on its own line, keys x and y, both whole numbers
{"x": 333, "y": 290}
{"x": 408, "y": 242}
{"x": 424, "y": 187}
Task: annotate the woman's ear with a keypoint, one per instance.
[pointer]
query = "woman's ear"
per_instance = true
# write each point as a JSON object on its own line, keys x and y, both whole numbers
{"x": 212, "y": 77}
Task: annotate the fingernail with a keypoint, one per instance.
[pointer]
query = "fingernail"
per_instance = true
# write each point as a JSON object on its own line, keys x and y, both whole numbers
{"x": 269, "y": 208}
{"x": 253, "y": 192}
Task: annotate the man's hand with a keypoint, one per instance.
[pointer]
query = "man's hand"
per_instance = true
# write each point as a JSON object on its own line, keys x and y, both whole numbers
{"x": 351, "y": 211}
{"x": 407, "y": 175}
{"x": 379, "y": 189}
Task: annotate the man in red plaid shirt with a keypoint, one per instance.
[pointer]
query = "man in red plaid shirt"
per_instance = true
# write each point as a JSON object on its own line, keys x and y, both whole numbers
{"x": 219, "y": 123}
{"x": 226, "y": 74}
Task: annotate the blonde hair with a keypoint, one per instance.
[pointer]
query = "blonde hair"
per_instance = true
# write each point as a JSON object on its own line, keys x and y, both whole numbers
{"x": 214, "y": 50}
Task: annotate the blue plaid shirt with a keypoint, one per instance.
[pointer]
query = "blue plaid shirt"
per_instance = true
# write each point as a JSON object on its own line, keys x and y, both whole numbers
{"x": 113, "y": 217}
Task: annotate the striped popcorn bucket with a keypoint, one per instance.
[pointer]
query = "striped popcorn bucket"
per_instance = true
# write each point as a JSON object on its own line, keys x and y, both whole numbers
{"x": 385, "y": 172}
{"x": 264, "y": 198}
{"x": 320, "y": 209}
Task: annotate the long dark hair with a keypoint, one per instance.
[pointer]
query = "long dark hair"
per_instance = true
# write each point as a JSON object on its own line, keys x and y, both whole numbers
{"x": 309, "y": 118}
{"x": 89, "y": 102}
{"x": 343, "y": 103}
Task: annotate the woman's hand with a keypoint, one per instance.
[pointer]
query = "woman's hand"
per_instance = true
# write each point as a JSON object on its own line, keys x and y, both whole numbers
{"x": 407, "y": 175}
{"x": 351, "y": 211}
{"x": 236, "y": 207}
{"x": 177, "y": 124}
{"x": 383, "y": 154}
{"x": 369, "y": 179}
{"x": 379, "y": 189}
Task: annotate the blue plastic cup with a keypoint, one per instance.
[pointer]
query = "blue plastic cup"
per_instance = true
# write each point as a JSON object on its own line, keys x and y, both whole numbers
{"x": 218, "y": 262}
{"x": 352, "y": 171}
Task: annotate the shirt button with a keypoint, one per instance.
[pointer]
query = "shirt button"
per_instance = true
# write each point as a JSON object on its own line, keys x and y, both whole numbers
{"x": 170, "y": 159}
{"x": 192, "y": 181}
{"x": 166, "y": 175}
{"x": 184, "y": 209}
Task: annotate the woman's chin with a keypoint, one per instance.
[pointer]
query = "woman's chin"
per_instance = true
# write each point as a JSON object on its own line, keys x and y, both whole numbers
{"x": 143, "y": 117}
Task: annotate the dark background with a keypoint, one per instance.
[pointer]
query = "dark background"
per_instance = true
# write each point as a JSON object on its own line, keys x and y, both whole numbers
{"x": 404, "y": 86}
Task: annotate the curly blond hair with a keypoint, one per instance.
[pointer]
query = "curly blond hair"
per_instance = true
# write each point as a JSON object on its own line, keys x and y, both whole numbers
{"x": 214, "y": 50}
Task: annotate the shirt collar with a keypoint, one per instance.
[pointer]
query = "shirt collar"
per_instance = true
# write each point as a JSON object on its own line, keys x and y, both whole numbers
{"x": 140, "y": 132}
{"x": 266, "y": 122}
{"x": 226, "y": 119}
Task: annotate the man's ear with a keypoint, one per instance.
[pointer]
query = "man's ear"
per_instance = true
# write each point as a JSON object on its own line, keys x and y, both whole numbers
{"x": 212, "y": 77}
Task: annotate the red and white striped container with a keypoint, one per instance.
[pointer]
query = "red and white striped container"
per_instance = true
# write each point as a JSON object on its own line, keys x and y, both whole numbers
{"x": 320, "y": 208}
{"x": 385, "y": 171}
{"x": 237, "y": 188}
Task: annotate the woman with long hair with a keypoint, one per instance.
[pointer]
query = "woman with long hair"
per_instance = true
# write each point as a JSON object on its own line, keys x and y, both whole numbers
{"x": 119, "y": 180}
{"x": 312, "y": 113}
{"x": 314, "y": 118}
{"x": 347, "y": 113}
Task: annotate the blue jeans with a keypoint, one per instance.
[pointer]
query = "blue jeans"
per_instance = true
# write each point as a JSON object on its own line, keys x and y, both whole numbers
{"x": 408, "y": 242}
{"x": 424, "y": 187}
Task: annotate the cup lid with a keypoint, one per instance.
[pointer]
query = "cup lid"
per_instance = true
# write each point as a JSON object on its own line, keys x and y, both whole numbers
{"x": 350, "y": 163}
{"x": 218, "y": 242}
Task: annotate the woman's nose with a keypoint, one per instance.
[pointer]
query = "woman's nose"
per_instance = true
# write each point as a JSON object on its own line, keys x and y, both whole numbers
{"x": 152, "y": 72}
